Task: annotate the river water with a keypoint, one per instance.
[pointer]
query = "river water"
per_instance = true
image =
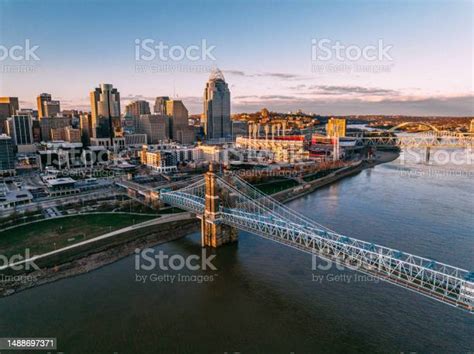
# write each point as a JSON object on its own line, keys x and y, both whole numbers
{"x": 267, "y": 298}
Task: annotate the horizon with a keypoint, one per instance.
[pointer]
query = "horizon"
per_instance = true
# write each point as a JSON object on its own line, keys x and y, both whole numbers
{"x": 276, "y": 57}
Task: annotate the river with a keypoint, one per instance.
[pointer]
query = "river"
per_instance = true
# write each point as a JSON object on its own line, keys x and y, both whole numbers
{"x": 265, "y": 297}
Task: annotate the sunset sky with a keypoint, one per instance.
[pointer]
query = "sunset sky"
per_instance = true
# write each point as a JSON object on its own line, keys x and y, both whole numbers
{"x": 264, "y": 49}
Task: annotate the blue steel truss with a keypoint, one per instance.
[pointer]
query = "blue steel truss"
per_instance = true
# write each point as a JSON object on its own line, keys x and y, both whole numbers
{"x": 248, "y": 209}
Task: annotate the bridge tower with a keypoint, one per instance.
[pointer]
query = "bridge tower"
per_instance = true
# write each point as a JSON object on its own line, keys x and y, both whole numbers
{"x": 213, "y": 232}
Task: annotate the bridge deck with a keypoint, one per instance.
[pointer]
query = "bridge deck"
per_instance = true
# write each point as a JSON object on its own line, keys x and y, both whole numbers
{"x": 258, "y": 214}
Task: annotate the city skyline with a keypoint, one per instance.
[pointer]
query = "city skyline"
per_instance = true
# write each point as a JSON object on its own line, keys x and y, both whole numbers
{"x": 267, "y": 59}
{"x": 211, "y": 176}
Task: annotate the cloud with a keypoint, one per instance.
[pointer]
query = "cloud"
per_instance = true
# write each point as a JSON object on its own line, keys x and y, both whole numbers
{"x": 462, "y": 105}
{"x": 342, "y": 90}
{"x": 235, "y": 72}
{"x": 265, "y": 97}
{"x": 265, "y": 74}
{"x": 132, "y": 97}
{"x": 281, "y": 75}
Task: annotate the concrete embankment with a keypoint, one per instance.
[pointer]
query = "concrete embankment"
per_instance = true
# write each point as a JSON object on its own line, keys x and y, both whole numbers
{"x": 97, "y": 252}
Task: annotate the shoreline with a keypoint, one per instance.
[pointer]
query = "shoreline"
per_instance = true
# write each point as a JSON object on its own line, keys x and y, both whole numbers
{"x": 150, "y": 236}
{"x": 293, "y": 193}
{"x": 62, "y": 265}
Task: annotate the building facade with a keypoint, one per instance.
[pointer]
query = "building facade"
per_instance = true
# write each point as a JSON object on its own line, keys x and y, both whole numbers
{"x": 52, "y": 108}
{"x": 160, "y": 105}
{"x": 40, "y": 101}
{"x": 46, "y": 106}
{"x": 179, "y": 129}
{"x": 20, "y": 129}
{"x": 137, "y": 108}
{"x": 280, "y": 149}
{"x": 85, "y": 124}
{"x": 166, "y": 157}
{"x": 8, "y": 107}
{"x": 216, "y": 118}
{"x": 68, "y": 134}
{"x": 47, "y": 124}
{"x": 155, "y": 126}
{"x": 105, "y": 112}
{"x": 7, "y": 156}
{"x": 336, "y": 127}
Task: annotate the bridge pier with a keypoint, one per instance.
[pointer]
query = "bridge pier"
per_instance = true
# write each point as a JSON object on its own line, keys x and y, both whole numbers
{"x": 213, "y": 232}
{"x": 427, "y": 154}
{"x": 215, "y": 235}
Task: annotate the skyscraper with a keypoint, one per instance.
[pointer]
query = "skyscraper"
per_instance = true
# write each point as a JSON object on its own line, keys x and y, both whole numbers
{"x": 49, "y": 123}
{"x": 216, "y": 116}
{"x": 40, "y": 101}
{"x": 85, "y": 124}
{"x": 7, "y": 156}
{"x": 8, "y": 107}
{"x": 20, "y": 128}
{"x": 105, "y": 112}
{"x": 160, "y": 105}
{"x": 155, "y": 126}
{"x": 51, "y": 108}
{"x": 180, "y": 130}
{"x": 137, "y": 108}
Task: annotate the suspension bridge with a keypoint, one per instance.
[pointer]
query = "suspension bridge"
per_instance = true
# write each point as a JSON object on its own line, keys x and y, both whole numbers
{"x": 226, "y": 203}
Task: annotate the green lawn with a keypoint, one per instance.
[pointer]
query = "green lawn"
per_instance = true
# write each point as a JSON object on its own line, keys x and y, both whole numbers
{"x": 50, "y": 234}
{"x": 276, "y": 186}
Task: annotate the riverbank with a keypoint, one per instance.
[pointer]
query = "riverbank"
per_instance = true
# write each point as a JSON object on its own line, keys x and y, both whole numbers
{"x": 355, "y": 168}
{"x": 42, "y": 236}
{"x": 99, "y": 253}
{"x": 323, "y": 310}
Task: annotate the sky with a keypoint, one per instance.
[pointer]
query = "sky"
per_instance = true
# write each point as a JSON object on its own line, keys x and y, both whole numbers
{"x": 280, "y": 55}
